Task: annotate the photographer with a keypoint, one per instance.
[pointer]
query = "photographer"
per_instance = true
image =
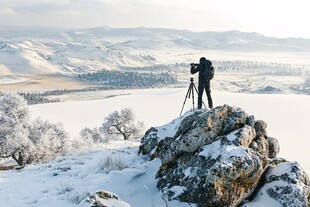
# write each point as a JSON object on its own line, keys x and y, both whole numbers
{"x": 206, "y": 73}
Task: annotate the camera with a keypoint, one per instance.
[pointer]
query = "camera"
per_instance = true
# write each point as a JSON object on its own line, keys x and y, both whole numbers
{"x": 194, "y": 64}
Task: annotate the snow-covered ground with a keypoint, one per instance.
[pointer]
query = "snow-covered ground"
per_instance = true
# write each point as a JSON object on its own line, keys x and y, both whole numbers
{"x": 287, "y": 115}
{"x": 67, "y": 180}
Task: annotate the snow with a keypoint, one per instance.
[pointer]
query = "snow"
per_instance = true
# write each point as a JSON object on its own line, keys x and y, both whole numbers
{"x": 284, "y": 168}
{"x": 215, "y": 149}
{"x": 8, "y": 79}
{"x": 68, "y": 180}
{"x": 170, "y": 129}
{"x": 263, "y": 201}
{"x": 212, "y": 150}
{"x": 178, "y": 190}
{"x": 187, "y": 172}
{"x": 65, "y": 181}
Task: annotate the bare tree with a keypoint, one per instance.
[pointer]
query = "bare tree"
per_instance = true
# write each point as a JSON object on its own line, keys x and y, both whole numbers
{"x": 122, "y": 124}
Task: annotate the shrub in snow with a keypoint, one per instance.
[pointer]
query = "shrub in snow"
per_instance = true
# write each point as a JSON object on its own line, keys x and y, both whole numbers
{"x": 73, "y": 192}
{"x": 78, "y": 144}
{"x": 112, "y": 162}
{"x": 14, "y": 119}
{"x": 49, "y": 141}
{"x": 77, "y": 196}
{"x": 94, "y": 135}
{"x": 122, "y": 124}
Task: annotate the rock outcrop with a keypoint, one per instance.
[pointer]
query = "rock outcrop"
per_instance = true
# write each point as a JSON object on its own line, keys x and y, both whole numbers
{"x": 222, "y": 157}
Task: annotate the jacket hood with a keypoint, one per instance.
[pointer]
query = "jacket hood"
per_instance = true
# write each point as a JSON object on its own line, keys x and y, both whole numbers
{"x": 204, "y": 61}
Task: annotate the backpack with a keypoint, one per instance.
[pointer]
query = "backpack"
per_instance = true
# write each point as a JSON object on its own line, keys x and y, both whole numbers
{"x": 208, "y": 72}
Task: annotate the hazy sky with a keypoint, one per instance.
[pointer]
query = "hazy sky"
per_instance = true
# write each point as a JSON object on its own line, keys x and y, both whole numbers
{"x": 279, "y": 18}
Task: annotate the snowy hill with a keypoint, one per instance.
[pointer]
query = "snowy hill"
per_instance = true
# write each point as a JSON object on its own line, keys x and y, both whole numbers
{"x": 40, "y": 51}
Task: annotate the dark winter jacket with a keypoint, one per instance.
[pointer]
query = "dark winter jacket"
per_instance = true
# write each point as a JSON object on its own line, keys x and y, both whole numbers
{"x": 200, "y": 67}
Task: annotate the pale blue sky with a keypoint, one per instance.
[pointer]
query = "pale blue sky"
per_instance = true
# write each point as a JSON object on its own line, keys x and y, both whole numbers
{"x": 279, "y": 18}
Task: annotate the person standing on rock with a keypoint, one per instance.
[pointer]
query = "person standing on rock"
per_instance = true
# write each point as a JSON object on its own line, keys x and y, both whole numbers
{"x": 206, "y": 73}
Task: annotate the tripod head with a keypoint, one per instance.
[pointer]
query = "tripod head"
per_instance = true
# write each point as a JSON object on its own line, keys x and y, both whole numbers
{"x": 192, "y": 80}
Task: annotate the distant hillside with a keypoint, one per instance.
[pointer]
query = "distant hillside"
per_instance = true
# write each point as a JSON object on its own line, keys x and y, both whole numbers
{"x": 230, "y": 40}
{"x": 40, "y": 51}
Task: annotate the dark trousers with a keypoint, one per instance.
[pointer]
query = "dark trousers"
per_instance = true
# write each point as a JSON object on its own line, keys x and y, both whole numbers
{"x": 204, "y": 85}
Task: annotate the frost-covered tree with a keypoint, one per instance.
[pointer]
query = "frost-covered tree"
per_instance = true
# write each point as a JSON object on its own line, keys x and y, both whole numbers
{"x": 27, "y": 142}
{"x": 94, "y": 135}
{"x": 122, "y": 124}
{"x": 49, "y": 141}
{"x": 14, "y": 118}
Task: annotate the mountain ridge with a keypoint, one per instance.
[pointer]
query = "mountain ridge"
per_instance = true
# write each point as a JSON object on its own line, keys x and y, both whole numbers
{"x": 74, "y": 51}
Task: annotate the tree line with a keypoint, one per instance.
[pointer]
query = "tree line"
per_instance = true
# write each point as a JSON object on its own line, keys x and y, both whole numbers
{"x": 41, "y": 97}
{"x": 255, "y": 67}
{"x": 123, "y": 79}
{"x": 259, "y": 67}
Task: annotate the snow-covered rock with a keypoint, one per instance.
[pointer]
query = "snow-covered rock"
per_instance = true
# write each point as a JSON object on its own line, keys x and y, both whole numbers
{"x": 218, "y": 157}
{"x": 286, "y": 183}
{"x": 103, "y": 199}
{"x": 154, "y": 135}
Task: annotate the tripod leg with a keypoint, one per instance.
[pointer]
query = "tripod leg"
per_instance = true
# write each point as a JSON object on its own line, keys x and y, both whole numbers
{"x": 187, "y": 96}
{"x": 192, "y": 88}
{"x": 198, "y": 93}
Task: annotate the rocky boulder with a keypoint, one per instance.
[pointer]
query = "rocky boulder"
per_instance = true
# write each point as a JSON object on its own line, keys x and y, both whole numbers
{"x": 215, "y": 157}
{"x": 284, "y": 183}
{"x": 103, "y": 199}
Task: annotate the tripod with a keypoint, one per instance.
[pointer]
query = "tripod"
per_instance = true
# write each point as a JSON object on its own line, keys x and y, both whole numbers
{"x": 190, "y": 92}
